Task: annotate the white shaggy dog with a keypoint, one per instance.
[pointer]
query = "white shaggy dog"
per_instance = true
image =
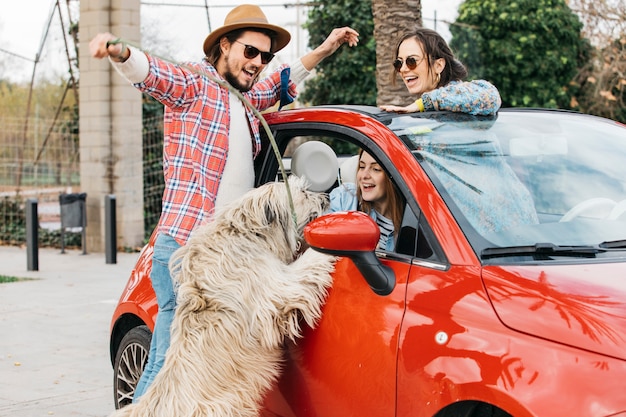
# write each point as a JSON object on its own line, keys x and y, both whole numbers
{"x": 242, "y": 289}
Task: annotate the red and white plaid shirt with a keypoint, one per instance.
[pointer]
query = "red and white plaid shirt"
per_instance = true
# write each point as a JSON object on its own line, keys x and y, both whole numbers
{"x": 196, "y": 130}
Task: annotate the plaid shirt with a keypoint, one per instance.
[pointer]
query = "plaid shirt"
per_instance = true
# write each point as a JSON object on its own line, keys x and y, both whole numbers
{"x": 196, "y": 130}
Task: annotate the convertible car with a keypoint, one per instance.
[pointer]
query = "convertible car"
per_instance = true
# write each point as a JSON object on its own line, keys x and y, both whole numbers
{"x": 505, "y": 294}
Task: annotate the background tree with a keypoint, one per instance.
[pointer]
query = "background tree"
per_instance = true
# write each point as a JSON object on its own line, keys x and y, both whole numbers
{"x": 530, "y": 49}
{"x": 601, "y": 85}
{"x": 392, "y": 19}
{"x": 349, "y": 75}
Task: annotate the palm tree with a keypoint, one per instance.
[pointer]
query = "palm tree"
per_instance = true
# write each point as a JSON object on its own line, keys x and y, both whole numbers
{"x": 392, "y": 19}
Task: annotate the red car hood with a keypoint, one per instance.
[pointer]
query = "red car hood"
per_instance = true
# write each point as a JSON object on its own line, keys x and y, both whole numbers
{"x": 577, "y": 305}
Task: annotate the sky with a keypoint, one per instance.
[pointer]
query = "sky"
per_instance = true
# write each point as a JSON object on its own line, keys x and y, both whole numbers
{"x": 24, "y": 24}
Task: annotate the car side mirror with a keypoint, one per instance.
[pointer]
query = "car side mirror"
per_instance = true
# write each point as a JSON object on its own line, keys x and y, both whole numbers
{"x": 352, "y": 234}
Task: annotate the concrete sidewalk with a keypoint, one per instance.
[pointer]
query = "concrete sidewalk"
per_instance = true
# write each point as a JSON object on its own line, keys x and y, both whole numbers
{"x": 54, "y": 332}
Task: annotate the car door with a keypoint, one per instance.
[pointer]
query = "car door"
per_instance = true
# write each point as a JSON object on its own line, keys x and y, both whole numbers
{"x": 347, "y": 365}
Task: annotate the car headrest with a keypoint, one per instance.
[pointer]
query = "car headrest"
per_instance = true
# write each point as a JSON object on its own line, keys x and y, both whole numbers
{"x": 348, "y": 169}
{"x": 317, "y": 162}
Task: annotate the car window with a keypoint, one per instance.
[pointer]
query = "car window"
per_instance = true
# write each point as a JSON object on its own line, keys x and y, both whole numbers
{"x": 525, "y": 178}
{"x": 417, "y": 239}
{"x": 414, "y": 238}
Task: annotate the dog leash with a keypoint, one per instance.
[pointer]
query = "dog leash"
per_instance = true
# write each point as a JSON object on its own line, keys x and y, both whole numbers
{"x": 244, "y": 100}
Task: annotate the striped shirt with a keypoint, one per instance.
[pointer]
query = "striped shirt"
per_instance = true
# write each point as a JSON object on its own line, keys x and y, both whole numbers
{"x": 344, "y": 197}
{"x": 386, "y": 229}
{"x": 196, "y": 131}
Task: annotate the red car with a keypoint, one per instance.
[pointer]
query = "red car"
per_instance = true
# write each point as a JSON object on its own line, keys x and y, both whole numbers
{"x": 504, "y": 296}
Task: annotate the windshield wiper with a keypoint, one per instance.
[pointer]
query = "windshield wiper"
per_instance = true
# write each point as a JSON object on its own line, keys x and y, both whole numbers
{"x": 544, "y": 251}
{"x": 613, "y": 244}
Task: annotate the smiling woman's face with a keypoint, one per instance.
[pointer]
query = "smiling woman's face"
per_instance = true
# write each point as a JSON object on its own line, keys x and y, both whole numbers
{"x": 371, "y": 180}
{"x": 419, "y": 79}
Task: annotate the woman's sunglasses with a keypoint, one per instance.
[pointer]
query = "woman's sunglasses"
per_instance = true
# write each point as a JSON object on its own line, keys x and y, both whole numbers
{"x": 410, "y": 62}
{"x": 250, "y": 52}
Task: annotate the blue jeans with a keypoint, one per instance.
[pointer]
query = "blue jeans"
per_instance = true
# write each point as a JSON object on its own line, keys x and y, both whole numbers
{"x": 162, "y": 284}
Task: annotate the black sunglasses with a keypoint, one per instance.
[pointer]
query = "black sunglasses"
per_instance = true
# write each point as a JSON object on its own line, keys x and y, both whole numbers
{"x": 250, "y": 52}
{"x": 410, "y": 62}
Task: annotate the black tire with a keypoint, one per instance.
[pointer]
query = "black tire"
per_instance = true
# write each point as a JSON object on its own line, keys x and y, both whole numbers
{"x": 130, "y": 361}
{"x": 472, "y": 409}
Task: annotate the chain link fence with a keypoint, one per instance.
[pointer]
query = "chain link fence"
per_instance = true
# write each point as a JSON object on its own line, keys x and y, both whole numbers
{"x": 153, "y": 182}
{"x": 39, "y": 159}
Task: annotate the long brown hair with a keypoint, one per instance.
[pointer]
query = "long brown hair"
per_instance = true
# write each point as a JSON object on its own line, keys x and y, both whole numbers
{"x": 393, "y": 196}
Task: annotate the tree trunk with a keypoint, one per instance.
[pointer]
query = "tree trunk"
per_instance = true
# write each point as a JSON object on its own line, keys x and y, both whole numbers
{"x": 392, "y": 20}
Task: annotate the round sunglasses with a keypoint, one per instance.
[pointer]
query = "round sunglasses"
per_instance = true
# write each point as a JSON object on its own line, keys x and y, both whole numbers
{"x": 251, "y": 52}
{"x": 411, "y": 62}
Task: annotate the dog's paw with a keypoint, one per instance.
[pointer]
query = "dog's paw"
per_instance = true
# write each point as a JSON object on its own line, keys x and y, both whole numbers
{"x": 312, "y": 260}
{"x": 313, "y": 255}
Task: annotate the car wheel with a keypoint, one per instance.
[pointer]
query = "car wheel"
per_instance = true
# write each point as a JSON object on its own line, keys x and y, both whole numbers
{"x": 130, "y": 360}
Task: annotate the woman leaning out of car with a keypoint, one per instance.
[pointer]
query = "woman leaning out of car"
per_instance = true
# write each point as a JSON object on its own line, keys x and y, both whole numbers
{"x": 430, "y": 70}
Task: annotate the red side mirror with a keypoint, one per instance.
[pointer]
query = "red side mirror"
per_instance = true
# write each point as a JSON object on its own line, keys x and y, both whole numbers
{"x": 353, "y": 234}
{"x": 343, "y": 231}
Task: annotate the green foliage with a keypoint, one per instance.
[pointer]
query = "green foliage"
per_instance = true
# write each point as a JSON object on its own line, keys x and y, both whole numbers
{"x": 9, "y": 278}
{"x": 13, "y": 227}
{"x": 12, "y": 221}
{"x": 530, "y": 49}
{"x": 349, "y": 75}
{"x": 52, "y": 238}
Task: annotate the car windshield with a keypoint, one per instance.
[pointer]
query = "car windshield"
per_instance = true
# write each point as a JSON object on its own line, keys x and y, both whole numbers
{"x": 526, "y": 181}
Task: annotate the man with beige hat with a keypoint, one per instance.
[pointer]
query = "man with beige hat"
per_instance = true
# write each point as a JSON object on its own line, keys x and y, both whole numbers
{"x": 210, "y": 137}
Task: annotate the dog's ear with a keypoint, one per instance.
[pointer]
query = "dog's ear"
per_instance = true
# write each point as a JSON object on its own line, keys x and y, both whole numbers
{"x": 270, "y": 214}
{"x": 276, "y": 209}
{"x": 279, "y": 216}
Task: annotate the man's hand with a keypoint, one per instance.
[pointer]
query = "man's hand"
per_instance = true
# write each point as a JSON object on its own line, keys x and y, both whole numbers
{"x": 102, "y": 46}
{"x": 337, "y": 37}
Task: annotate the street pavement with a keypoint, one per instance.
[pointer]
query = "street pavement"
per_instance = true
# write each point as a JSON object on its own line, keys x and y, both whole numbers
{"x": 54, "y": 332}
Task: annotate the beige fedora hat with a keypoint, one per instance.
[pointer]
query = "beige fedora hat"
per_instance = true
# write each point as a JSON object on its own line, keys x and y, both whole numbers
{"x": 247, "y": 16}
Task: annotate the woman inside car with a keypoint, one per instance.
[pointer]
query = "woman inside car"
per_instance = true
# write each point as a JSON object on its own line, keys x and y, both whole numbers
{"x": 375, "y": 194}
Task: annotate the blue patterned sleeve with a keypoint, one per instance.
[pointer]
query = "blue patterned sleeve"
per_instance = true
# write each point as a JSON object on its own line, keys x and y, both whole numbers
{"x": 473, "y": 97}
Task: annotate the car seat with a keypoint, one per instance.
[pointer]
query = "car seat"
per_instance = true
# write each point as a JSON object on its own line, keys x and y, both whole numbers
{"x": 348, "y": 169}
{"x": 596, "y": 208}
{"x": 318, "y": 163}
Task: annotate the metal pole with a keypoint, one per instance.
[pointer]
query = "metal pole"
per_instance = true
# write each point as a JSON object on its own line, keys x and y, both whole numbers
{"x": 83, "y": 232}
{"x": 110, "y": 232}
{"x": 32, "y": 235}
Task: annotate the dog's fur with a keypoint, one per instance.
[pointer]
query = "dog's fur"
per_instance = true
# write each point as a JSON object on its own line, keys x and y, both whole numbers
{"x": 242, "y": 289}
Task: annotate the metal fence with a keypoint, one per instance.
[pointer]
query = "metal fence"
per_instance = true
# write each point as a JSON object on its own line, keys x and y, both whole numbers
{"x": 153, "y": 182}
{"x": 39, "y": 159}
